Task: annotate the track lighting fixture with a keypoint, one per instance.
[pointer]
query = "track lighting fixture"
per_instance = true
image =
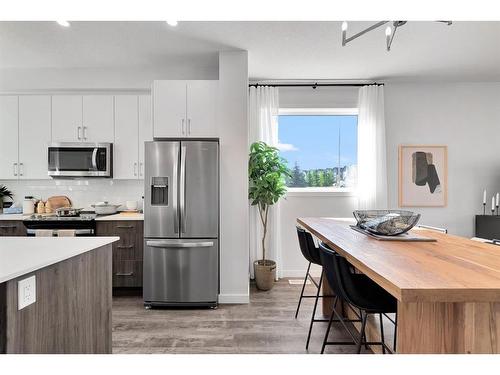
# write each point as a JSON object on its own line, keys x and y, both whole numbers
{"x": 390, "y": 31}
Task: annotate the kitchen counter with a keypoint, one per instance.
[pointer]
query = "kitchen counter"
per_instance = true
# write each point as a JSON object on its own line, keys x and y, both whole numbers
{"x": 71, "y": 309}
{"x": 22, "y": 255}
{"x": 118, "y": 216}
{"x": 121, "y": 216}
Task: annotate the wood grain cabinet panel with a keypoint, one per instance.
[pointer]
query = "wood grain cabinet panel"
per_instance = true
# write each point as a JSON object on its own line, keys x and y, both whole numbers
{"x": 127, "y": 252}
{"x": 12, "y": 228}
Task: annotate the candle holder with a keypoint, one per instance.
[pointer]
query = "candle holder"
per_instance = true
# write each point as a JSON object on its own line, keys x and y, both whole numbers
{"x": 484, "y": 208}
{"x": 497, "y": 209}
{"x": 492, "y": 211}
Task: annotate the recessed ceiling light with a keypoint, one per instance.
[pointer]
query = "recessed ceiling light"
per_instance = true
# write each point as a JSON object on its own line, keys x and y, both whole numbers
{"x": 63, "y": 23}
{"x": 172, "y": 23}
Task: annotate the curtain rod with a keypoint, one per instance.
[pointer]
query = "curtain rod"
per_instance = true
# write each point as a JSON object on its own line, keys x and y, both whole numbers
{"x": 314, "y": 85}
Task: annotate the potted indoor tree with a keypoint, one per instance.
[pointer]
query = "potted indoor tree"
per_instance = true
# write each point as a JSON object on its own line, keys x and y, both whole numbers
{"x": 4, "y": 192}
{"x": 266, "y": 173}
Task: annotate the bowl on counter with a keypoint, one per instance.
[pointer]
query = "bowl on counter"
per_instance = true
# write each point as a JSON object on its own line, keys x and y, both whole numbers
{"x": 386, "y": 222}
{"x": 105, "y": 208}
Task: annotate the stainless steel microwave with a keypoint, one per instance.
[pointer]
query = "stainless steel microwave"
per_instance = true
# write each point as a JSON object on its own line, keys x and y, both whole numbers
{"x": 68, "y": 159}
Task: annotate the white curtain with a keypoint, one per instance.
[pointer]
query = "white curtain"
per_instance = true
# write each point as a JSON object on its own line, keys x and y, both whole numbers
{"x": 372, "y": 168}
{"x": 263, "y": 111}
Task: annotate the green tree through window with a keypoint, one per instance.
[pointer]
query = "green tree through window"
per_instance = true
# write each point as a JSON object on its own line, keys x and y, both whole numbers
{"x": 320, "y": 150}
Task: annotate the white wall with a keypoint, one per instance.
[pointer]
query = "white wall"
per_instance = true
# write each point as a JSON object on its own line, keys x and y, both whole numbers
{"x": 102, "y": 78}
{"x": 466, "y": 118}
{"x": 232, "y": 118}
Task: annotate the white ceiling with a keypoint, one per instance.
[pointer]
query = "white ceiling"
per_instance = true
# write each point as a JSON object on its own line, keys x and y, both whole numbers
{"x": 465, "y": 51}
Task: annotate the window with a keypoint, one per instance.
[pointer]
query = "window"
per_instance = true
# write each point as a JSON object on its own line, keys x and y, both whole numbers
{"x": 320, "y": 147}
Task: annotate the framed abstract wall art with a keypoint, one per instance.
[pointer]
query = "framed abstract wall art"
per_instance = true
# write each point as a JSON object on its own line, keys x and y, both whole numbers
{"x": 423, "y": 176}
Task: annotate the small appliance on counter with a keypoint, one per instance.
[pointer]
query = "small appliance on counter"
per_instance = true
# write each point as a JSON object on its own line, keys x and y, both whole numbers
{"x": 105, "y": 208}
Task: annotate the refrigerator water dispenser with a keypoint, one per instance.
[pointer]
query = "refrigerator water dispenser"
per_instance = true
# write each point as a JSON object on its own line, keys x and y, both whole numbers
{"x": 159, "y": 191}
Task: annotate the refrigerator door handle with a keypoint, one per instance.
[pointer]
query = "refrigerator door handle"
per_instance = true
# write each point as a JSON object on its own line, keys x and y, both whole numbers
{"x": 172, "y": 244}
{"x": 182, "y": 187}
{"x": 174, "y": 198}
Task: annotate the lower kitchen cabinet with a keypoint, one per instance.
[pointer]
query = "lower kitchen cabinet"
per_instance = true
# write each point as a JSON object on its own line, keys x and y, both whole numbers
{"x": 127, "y": 252}
{"x": 12, "y": 228}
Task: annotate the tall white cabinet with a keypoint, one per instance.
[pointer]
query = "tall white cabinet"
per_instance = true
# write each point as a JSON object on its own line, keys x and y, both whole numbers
{"x": 133, "y": 126}
{"x": 25, "y": 129}
{"x": 82, "y": 118}
{"x": 185, "y": 108}
{"x": 9, "y": 165}
{"x": 34, "y": 136}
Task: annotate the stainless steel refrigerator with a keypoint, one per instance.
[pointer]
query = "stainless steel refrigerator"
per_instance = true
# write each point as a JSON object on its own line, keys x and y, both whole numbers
{"x": 181, "y": 223}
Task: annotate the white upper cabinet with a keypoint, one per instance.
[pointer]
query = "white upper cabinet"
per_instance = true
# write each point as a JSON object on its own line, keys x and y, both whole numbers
{"x": 97, "y": 118}
{"x": 77, "y": 118}
{"x": 145, "y": 128}
{"x": 185, "y": 108}
{"x": 201, "y": 108}
{"x": 169, "y": 108}
{"x": 67, "y": 118}
{"x": 9, "y": 167}
{"x": 126, "y": 146}
{"x": 34, "y": 136}
{"x": 133, "y": 127}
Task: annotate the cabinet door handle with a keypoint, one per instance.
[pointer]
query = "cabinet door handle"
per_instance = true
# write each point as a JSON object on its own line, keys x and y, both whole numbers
{"x": 141, "y": 164}
{"x": 124, "y": 274}
{"x": 189, "y": 126}
{"x": 124, "y": 226}
{"x": 14, "y": 165}
{"x": 84, "y": 133}
{"x": 135, "y": 169}
{"x": 79, "y": 133}
{"x": 8, "y": 226}
{"x": 182, "y": 127}
{"x": 21, "y": 169}
{"x": 125, "y": 247}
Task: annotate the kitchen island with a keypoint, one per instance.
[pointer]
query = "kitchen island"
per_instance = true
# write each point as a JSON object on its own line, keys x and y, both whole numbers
{"x": 72, "y": 289}
{"x": 448, "y": 291}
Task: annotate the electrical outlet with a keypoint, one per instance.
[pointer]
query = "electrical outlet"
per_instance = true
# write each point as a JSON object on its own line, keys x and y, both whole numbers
{"x": 26, "y": 292}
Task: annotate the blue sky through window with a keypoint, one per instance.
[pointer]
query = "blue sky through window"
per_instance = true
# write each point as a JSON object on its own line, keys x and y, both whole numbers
{"x": 312, "y": 142}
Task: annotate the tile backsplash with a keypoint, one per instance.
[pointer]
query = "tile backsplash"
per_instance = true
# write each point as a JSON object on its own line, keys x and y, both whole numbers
{"x": 81, "y": 192}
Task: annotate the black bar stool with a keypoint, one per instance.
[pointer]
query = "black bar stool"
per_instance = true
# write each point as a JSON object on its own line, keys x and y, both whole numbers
{"x": 357, "y": 290}
{"x": 311, "y": 253}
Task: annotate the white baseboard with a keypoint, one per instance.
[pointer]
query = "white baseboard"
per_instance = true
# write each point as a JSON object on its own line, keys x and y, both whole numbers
{"x": 234, "y": 298}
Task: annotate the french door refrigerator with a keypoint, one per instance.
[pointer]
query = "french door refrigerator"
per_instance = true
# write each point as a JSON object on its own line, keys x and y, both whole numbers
{"x": 181, "y": 223}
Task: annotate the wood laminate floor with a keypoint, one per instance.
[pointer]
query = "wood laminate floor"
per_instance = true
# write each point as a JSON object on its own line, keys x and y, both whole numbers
{"x": 266, "y": 325}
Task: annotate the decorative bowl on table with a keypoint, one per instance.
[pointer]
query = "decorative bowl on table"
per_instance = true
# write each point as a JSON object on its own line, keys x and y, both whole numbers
{"x": 386, "y": 222}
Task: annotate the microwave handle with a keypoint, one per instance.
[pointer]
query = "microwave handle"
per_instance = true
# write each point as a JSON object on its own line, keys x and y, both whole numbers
{"x": 94, "y": 159}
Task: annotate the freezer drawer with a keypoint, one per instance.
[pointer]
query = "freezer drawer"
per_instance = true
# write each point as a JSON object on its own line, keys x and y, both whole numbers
{"x": 180, "y": 272}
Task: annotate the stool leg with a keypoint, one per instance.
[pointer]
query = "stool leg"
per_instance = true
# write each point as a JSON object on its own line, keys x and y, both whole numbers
{"x": 314, "y": 309}
{"x": 395, "y": 332}
{"x": 382, "y": 332}
{"x": 329, "y": 325}
{"x": 302, "y": 291}
{"x": 362, "y": 333}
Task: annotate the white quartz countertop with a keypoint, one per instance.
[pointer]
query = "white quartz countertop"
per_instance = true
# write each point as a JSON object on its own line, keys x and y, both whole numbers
{"x": 22, "y": 255}
{"x": 118, "y": 216}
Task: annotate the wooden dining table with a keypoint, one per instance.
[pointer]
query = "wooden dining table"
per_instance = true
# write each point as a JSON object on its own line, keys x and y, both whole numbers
{"x": 448, "y": 291}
